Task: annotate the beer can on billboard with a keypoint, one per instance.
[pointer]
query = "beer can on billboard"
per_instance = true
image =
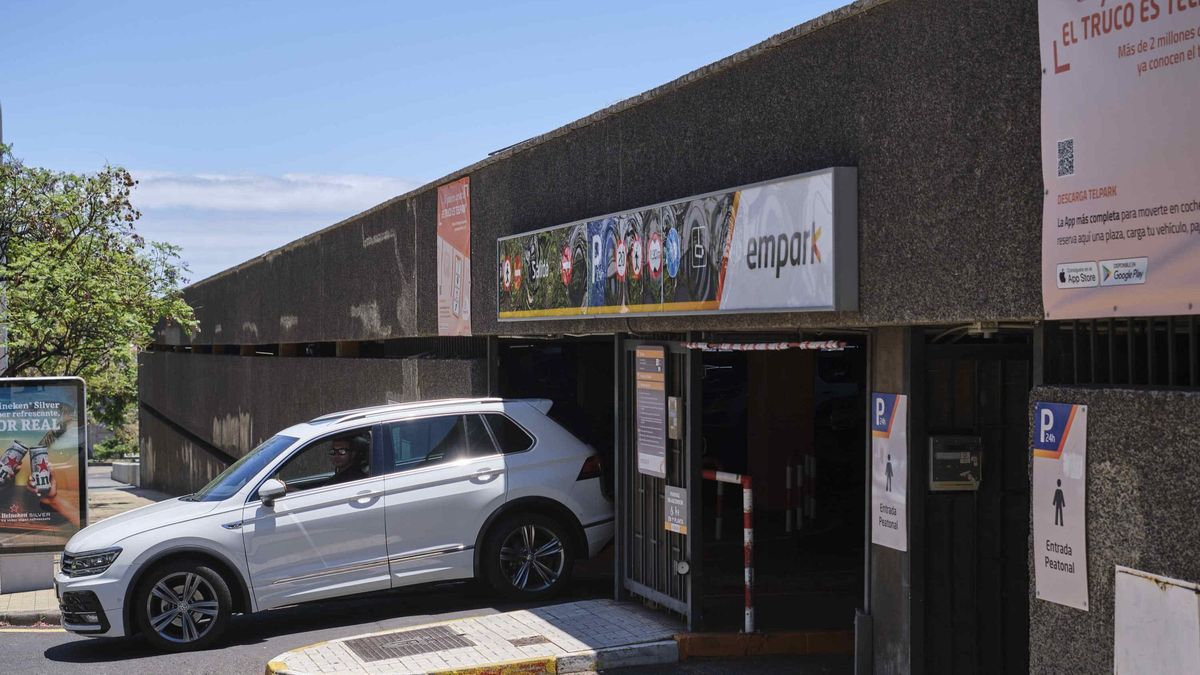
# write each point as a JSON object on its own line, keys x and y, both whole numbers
{"x": 43, "y": 486}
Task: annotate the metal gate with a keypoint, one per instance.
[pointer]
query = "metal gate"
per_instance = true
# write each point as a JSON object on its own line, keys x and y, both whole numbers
{"x": 657, "y": 564}
{"x": 976, "y": 574}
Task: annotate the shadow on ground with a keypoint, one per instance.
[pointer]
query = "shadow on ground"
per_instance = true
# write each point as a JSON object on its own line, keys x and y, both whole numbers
{"x": 434, "y": 603}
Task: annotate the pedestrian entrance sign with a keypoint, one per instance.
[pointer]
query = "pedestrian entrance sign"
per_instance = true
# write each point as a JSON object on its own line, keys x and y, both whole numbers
{"x": 889, "y": 470}
{"x": 1058, "y": 503}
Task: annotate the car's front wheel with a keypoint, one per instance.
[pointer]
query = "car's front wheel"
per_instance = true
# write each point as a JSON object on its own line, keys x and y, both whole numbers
{"x": 183, "y": 605}
{"x": 528, "y": 556}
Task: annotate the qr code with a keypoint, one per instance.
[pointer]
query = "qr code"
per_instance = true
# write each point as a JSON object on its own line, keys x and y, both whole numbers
{"x": 1066, "y": 157}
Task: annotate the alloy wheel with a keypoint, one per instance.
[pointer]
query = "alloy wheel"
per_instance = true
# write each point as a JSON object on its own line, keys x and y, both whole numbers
{"x": 532, "y": 558}
{"x": 182, "y": 607}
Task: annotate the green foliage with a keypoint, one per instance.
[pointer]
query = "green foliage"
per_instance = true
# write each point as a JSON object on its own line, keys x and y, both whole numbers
{"x": 83, "y": 291}
{"x": 113, "y": 448}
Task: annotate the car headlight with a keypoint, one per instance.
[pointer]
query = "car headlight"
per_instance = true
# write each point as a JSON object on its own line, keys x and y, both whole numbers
{"x": 89, "y": 563}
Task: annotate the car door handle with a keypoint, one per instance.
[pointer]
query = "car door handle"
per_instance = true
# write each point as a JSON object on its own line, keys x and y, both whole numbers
{"x": 486, "y": 475}
{"x": 366, "y": 497}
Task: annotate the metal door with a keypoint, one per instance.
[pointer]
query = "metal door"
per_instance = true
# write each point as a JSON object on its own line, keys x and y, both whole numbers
{"x": 657, "y": 564}
{"x": 977, "y": 586}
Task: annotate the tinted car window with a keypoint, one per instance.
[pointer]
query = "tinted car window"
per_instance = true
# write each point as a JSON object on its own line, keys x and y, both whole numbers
{"x": 433, "y": 440}
{"x": 337, "y": 459}
{"x": 235, "y": 477}
{"x": 478, "y": 438}
{"x": 510, "y": 436}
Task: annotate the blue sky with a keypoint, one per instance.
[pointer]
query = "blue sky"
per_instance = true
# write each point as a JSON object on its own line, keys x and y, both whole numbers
{"x": 250, "y": 124}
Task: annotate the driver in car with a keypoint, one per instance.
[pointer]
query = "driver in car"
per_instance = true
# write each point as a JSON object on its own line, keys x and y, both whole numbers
{"x": 349, "y": 459}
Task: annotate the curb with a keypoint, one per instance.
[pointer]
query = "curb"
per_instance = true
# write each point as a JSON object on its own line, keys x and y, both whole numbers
{"x": 31, "y": 617}
{"x": 733, "y": 645}
{"x": 537, "y": 666}
{"x": 646, "y": 654}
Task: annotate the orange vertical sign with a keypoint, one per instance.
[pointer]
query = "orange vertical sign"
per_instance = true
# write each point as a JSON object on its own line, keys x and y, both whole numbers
{"x": 454, "y": 258}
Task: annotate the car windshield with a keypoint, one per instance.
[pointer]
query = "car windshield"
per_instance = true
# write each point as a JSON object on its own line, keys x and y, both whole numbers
{"x": 242, "y": 471}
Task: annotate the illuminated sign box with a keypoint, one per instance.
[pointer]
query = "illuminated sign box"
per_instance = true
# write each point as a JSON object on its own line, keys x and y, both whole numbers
{"x": 786, "y": 245}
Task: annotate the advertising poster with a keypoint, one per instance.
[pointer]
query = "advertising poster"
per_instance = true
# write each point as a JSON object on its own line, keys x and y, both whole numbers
{"x": 889, "y": 470}
{"x": 454, "y": 258}
{"x": 785, "y": 245}
{"x": 43, "y": 449}
{"x": 1121, "y": 212}
{"x": 651, "y": 405}
{"x": 1059, "y": 503}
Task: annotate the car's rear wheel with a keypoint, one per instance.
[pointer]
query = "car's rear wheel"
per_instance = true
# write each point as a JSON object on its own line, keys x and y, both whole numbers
{"x": 183, "y": 605}
{"x": 528, "y": 556}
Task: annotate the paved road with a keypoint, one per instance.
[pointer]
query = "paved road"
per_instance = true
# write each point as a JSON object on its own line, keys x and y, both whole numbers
{"x": 251, "y": 640}
{"x": 100, "y": 478}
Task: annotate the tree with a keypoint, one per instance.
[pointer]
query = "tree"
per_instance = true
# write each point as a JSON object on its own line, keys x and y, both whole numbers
{"x": 82, "y": 290}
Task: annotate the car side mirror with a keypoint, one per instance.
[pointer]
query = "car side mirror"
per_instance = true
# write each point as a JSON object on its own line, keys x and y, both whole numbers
{"x": 271, "y": 490}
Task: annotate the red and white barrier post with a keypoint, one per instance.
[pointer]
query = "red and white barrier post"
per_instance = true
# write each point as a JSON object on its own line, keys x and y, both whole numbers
{"x": 747, "y": 534}
{"x": 720, "y": 505}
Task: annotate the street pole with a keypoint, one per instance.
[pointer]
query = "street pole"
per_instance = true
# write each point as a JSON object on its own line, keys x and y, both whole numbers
{"x": 3, "y": 296}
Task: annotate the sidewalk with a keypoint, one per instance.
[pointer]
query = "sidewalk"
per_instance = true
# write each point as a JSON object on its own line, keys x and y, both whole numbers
{"x": 40, "y": 608}
{"x": 32, "y": 608}
{"x": 573, "y": 637}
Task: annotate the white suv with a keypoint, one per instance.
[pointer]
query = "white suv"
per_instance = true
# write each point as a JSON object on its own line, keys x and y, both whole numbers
{"x": 353, "y": 502}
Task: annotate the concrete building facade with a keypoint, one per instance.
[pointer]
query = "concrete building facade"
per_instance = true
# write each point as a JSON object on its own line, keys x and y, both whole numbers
{"x": 936, "y": 106}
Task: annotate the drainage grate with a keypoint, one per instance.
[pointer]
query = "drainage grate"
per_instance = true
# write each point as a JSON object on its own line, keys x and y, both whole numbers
{"x": 529, "y": 641}
{"x": 407, "y": 643}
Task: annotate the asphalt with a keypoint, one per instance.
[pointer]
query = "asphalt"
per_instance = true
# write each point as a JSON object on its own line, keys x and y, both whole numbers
{"x": 254, "y": 640}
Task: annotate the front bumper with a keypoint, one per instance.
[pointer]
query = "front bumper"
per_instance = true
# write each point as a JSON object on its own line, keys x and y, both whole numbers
{"x": 93, "y": 605}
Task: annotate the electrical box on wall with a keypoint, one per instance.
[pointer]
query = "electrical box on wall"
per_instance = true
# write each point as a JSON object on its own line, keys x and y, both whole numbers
{"x": 674, "y": 418}
{"x": 955, "y": 463}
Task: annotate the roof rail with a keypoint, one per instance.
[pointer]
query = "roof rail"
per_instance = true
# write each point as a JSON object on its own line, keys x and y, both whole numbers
{"x": 372, "y": 411}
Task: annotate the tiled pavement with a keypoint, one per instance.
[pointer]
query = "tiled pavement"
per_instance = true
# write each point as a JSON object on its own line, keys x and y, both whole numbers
{"x": 31, "y": 601}
{"x": 567, "y": 634}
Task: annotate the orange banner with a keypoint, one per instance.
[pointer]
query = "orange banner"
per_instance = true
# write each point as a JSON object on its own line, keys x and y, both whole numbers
{"x": 454, "y": 258}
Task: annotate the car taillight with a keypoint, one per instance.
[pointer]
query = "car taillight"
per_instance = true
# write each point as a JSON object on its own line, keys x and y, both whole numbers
{"x": 591, "y": 468}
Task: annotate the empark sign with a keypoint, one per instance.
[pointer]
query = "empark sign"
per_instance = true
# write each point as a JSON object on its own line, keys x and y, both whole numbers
{"x": 787, "y": 245}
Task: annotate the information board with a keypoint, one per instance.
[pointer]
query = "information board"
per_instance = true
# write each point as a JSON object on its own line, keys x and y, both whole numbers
{"x": 651, "y": 404}
{"x": 675, "y": 509}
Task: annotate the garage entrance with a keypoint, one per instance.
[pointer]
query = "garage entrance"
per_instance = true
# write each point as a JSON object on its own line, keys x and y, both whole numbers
{"x": 576, "y": 374}
{"x": 792, "y": 420}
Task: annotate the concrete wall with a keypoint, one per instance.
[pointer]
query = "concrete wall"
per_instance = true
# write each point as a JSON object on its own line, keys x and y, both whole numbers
{"x": 236, "y": 402}
{"x": 935, "y": 102}
{"x": 354, "y": 281}
{"x": 172, "y": 463}
{"x": 1143, "y": 476}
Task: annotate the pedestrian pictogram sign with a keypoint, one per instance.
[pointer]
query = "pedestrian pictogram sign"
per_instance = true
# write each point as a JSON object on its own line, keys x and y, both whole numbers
{"x": 889, "y": 470}
{"x": 1059, "y": 503}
